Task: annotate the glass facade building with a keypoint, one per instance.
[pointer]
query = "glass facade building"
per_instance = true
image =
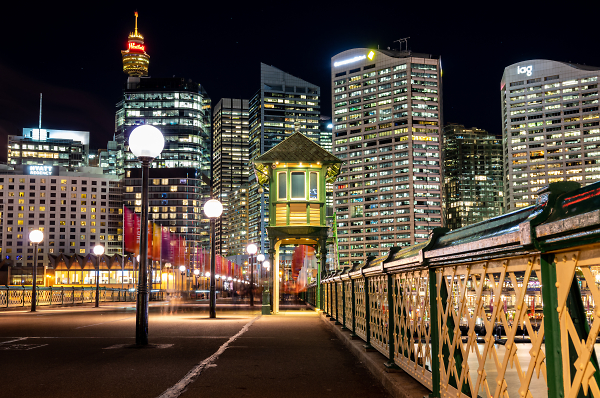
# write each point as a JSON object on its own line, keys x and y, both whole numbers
{"x": 387, "y": 115}
{"x": 66, "y": 148}
{"x": 179, "y": 108}
{"x": 472, "y": 176}
{"x": 283, "y": 104}
{"x": 550, "y": 127}
{"x": 230, "y": 167}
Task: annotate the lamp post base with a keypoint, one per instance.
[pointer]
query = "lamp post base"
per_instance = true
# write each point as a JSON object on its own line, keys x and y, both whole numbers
{"x": 266, "y": 306}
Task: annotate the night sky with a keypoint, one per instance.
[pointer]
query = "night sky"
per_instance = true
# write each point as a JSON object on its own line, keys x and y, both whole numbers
{"x": 72, "y": 55}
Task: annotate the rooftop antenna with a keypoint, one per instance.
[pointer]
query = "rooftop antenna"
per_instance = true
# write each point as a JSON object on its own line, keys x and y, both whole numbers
{"x": 40, "y": 122}
{"x": 403, "y": 40}
{"x": 136, "y": 17}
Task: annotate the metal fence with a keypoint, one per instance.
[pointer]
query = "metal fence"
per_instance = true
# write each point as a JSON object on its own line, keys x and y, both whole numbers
{"x": 17, "y": 296}
{"x": 503, "y": 308}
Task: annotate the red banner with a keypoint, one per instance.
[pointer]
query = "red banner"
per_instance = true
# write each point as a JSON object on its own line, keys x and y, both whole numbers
{"x": 156, "y": 242}
{"x": 131, "y": 231}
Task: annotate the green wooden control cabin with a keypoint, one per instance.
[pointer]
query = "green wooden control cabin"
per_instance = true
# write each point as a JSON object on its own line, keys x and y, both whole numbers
{"x": 295, "y": 173}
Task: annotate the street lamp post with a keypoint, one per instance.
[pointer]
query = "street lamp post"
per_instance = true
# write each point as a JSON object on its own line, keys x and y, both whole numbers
{"x": 251, "y": 249}
{"x": 196, "y": 273}
{"x": 213, "y": 210}
{"x": 35, "y": 236}
{"x": 260, "y": 258}
{"x": 98, "y": 251}
{"x": 146, "y": 143}
{"x": 168, "y": 267}
{"x": 182, "y": 270}
{"x": 266, "y": 305}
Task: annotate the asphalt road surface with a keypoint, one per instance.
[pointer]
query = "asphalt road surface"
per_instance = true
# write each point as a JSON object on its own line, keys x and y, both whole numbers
{"x": 86, "y": 352}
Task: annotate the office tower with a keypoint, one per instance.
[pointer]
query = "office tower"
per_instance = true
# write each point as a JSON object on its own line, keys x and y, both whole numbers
{"x": 472, "y": 176}
{"x": 283, "y": 104}
{"x": 175, "y": 200}
{"x": 237, "y": 221}
{"x": 326, "y": 141}
{"x": 66, "y": 148}
{"x": 76, "y": 209}
{"x": 550, "y": 127}
{"x": 179, "y": 108}
{"x": 135, "y": 58}
{"x": 387, "y": 113}
{"x": 230, "y": 168}
{"x": 326, "y": 135}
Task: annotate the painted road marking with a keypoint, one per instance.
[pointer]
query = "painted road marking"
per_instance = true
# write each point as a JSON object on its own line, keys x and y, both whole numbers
{"x": 20, "y": 347}
{"x": 116, "y": 346}
{"x": 189, "y": 378}
{"x": 102, "y": 323}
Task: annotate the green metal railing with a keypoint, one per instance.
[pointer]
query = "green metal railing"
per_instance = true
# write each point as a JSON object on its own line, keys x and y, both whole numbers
{"x": 17, "y": 296}
{"x": 503, "y": 308}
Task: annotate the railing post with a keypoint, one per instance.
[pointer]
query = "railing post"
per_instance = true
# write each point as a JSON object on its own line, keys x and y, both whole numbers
{"x": 62, "y": 295}
{"x": 337, "y": 302}
{"x": 352, "y": 286}
{"x": 434, "y": 333}
{"x": 391, "y": 325}
{"x": 367, "y": 346}
{"x": 343, "y": 306}
{"x": 551, "y": 326}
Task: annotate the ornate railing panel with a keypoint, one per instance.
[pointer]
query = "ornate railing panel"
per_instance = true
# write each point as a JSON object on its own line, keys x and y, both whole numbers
{"x": 349, "y": 316}
{"x": 412, "y": 351}
{"x": 379, "y": 313}
{"x": 360, "y": 308}
{"x": 21, "y": 297}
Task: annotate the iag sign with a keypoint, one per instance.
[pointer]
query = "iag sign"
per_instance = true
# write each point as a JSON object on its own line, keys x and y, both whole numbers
{"x": 525, "y": 69}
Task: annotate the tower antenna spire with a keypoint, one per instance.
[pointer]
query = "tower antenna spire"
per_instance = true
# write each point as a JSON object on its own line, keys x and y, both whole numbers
{"x": 40, "y": 122}
{"x": 136, "y": 17}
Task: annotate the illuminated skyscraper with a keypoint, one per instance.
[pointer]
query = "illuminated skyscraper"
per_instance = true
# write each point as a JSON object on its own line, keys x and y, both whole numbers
{"x": 472, "y": 176}
{"x": 283, "y": 104}
{"x": 550, "y": 127}
{"x": 135, "y": 58}
{"x": 387, "y": 113}
{"x": 230, "y": 164}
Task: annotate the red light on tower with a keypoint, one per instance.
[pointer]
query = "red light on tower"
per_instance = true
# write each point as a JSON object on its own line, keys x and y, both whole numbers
{"x": 136, "y": 46}
{"x": 135, "y": 58}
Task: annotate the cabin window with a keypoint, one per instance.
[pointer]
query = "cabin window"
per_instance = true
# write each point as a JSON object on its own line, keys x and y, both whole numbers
{"x": 281, "y": 186}
{"x": 314, "y": 190}
{"x": 298, "y": 185}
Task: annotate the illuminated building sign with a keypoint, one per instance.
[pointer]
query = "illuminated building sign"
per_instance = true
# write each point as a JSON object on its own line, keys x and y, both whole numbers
{"x": 42, "y": 170}
{"x": 525, "y": 69}
{"x": 136, "y": 46}
{"x": 349, "y": 61}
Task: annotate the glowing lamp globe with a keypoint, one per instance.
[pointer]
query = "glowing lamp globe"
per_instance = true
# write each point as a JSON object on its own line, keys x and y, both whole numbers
{"x": 146, "y": 141}
{"x": 252, "y": 249}
{"x": 182, "y": 268}
{"x": 213, "y": 208}
{"x": 266, "y": 264}
{"x": 260, "y": 257}
{"x": 36, "y": 236}
{"x": 207, "y": 275}
{"x": 196, "y": 272}
{"x": 98, "y": 250}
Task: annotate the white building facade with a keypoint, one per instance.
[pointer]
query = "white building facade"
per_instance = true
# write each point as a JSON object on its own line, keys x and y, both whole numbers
{"x": 386, "y": 116}
{"x": 550, "y": 127}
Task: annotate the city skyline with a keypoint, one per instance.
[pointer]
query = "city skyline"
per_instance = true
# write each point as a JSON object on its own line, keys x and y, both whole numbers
{"x": 81, "y": 77}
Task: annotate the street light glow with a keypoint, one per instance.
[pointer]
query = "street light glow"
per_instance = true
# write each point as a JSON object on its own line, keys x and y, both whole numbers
{"x": 98, "y": 250}
{"x": 146, "y": 141}
{"x": 252, "y": 249}
{"x": 213, "y": 208}
{"x": 36, "y": 236}
{"x": 260, "y": 257}
{"x": 196, "y": 272}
